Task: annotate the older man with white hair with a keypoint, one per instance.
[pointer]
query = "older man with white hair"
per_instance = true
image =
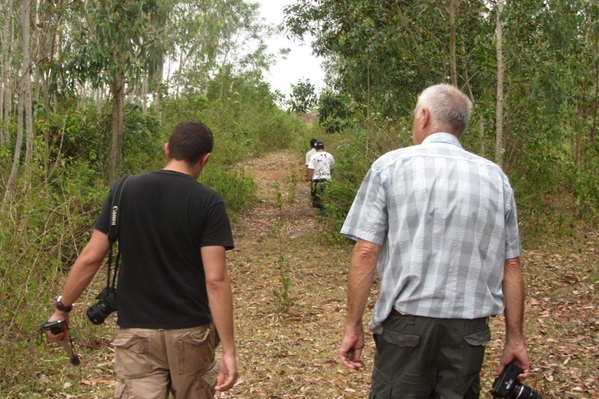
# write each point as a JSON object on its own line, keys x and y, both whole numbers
{"x": 439, "y": 226}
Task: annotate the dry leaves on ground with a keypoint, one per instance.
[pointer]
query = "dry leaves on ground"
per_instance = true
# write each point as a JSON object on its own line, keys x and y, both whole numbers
{"x": 291, "y": 351}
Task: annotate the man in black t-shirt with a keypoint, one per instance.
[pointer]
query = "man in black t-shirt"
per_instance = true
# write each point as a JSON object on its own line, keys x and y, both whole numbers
{"x": 174, "y": 293}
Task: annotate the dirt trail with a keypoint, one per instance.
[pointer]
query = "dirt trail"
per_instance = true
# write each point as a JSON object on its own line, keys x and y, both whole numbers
{"x": 287, "y": 345}
{"x": 270, "y": 171}
{"x": 288, "y": 351}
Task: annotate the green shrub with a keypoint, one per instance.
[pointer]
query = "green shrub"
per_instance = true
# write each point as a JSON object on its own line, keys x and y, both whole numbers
{"x": 43, "y": 230}
{"x": 143, "y": 142}
{"x": 237, "y": 189}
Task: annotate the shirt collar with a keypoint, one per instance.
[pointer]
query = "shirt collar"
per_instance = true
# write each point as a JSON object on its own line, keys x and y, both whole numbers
{"x": 443, "y": 138}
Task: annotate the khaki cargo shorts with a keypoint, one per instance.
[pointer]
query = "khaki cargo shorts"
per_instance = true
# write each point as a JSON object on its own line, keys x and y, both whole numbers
{"x": 151, "y": 364}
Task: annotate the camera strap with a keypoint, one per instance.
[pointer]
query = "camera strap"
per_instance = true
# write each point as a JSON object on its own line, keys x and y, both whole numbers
{"x": 113, "y": 229}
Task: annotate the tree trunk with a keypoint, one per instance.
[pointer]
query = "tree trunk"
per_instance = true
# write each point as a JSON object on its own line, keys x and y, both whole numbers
{"x": 5, "y": 75}
{"x": 500, "y": 72}
{"x": 118, "y": 120}
{"x": 453, "y": 5}
{"x": 481, "y": 121}
{"x": 15, "y": 160}
{"x": 481, "y": 135}
{"x": 26, "y": 83}
{"x": 144, "y": 94}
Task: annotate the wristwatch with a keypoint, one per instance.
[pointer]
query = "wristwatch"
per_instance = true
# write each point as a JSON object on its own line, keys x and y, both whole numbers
{"x": 61, "y": 306}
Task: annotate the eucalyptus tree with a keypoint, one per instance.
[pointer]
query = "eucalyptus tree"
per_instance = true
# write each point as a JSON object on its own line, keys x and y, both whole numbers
{"x": 116, "y": 43}
{"x": 530, "y": 66}
{"x": 569, "y": 82}
{"x": 212, "y": 37}
{"x": 24, "y": 107}
{"x": 6, "y": 54}
{"x": 387, "y": 51}
{"x": 500, "y": 74}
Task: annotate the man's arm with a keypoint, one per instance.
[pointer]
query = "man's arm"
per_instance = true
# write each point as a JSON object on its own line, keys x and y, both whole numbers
{"x": 310, "y": 173}
{"x": 515, "y": 346}
{"x": 82, "y": 273}
{"x": 220, "y": 297}
{"x": 359, "y": 283}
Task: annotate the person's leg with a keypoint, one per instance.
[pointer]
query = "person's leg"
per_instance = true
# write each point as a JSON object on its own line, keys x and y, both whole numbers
{"x": 141, "y": 364}
{"x": 313, "y": 194}
{"x": 404, "y": 365}
{"x": 191, "y": 357}
{"x": 319, "y": 188}
{"x": 460, "y": 359}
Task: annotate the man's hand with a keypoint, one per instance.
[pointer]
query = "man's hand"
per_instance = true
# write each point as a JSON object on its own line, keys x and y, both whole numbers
{"x": 351, "y": 350}
{"x": 64, "y": 333}
{"x": 514, "y": 354}
{"x": 227, "y": 374}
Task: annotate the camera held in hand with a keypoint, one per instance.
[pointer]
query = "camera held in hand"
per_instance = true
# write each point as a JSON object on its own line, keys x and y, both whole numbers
{"x": 507, "y": 385}
{"x": 106, "y": 305}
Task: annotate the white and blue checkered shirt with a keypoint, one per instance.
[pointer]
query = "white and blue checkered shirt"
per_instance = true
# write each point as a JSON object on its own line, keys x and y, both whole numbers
{"x": 446, "y": 220}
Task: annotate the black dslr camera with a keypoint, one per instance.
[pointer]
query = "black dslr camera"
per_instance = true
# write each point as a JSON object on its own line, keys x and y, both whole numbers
{"x": 507, "y": 385}
{"x": 106, "y": 305}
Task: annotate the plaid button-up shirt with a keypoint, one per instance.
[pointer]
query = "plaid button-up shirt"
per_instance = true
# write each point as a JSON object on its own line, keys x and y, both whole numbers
{"x": 446, "y": 220}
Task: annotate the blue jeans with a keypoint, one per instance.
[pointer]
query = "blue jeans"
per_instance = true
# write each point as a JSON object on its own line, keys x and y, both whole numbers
{"x": 151, "y": 363}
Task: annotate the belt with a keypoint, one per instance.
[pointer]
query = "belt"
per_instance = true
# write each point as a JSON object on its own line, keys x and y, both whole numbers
{"x": 395, "y": 313}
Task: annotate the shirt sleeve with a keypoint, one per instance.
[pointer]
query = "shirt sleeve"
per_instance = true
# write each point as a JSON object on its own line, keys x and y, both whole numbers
{"x": 103, "y": 222}
{"x": 367, "y": 218}
{"x": 513, "y": 246}
{"x": 217, "y": 230}
{"x": 312, "y": 162}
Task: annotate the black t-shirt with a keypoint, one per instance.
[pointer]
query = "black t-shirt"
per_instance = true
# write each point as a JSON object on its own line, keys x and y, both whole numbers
{"x": 165, "y": 217}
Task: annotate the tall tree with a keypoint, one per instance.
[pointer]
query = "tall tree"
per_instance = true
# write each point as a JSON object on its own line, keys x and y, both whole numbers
{"x": 24, "y": 106}
{"x": 453, "y": 7}
{"x": 6, "y": 72}
{"x": 118, "y": 43}
{"x": 387, "y": 51}
{"x": 210, "y": 37}
{"x": 500, "y": 72}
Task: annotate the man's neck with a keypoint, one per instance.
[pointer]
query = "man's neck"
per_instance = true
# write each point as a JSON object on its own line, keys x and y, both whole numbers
{"x": 183, "y": 167}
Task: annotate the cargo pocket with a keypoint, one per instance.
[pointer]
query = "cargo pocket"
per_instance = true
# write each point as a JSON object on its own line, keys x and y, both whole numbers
{"x": 474, "y": 354}
{"x": 210, "y": 377}
{"x": 397, "y": 361}
{"x": 120, "y": 391}
{"x": 196, "y": 351}
{"x": 130, "y": 351}
{"x": 403, "y": 340}
{"x": 479, "y": 338}
{"x": 380, "y": 388}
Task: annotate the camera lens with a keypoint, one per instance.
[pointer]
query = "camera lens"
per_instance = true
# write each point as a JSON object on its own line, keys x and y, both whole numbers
{"x": 525, "y": 392}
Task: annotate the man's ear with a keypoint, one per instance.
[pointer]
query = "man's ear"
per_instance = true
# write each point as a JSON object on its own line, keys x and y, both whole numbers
{"x": 425, "y": 118}
{"x": 167, "y": 151}
{"x": 204, "y": 158}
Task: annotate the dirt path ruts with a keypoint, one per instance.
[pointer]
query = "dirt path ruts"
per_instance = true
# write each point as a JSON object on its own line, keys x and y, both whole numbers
{"x": 270, "y": 171}
{"x": 288, "y": 351}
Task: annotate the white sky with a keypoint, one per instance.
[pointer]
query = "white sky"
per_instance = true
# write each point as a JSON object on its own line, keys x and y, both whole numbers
{"x": 300, "y": 63}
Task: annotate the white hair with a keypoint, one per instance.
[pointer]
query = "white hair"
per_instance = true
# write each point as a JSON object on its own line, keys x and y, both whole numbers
{"x": 449, "y": 108}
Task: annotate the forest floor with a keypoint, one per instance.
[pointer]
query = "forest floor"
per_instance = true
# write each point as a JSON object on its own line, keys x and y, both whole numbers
{"x": 290, "y": 291}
